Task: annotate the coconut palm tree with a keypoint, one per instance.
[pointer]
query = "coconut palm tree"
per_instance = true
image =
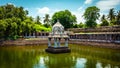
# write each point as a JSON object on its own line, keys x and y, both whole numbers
{"x": 104, "y": 21}
{"x": 47, "y": 20}
{"x": 118, "y": 17}
{"x": 38, "y": 20}
{"x": 111, "y": 14}
{"x": 103, "y": 17}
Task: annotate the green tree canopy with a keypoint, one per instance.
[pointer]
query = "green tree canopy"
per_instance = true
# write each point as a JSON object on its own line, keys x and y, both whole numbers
{"x": 80, "y": 25}
{"x": 65, "y": 17}
{"x": 14, "y": 22}
{"x": 91, "y": 14}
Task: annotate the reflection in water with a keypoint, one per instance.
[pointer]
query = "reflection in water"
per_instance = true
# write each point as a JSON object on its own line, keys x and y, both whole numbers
{"x": 41, "y": 63}
{"x": 97, "y": 57}
{"x": 60, "y": 61}
{"x": 80, "y": 63}
{"x": 80, "y": 57}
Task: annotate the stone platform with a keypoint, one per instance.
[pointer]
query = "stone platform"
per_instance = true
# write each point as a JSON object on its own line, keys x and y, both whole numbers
{"x": 57, "y": 50}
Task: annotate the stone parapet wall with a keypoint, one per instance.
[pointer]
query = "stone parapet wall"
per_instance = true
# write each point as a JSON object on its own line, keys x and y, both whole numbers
{"x": 45, "y": 42}
{"x": 24, "y": 42}
{"x": 96, "y": 44}
{"x": 27, "y": 42}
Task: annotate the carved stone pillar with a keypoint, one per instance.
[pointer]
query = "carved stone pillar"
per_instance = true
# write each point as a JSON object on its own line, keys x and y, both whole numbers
{"x": 55, "y": 42}
{"x": 66, "y": 42}
{"x": 49, "y": 42}
{"x": 59, "y": 42}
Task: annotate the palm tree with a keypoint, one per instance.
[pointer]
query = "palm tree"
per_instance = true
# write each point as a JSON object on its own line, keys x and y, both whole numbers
{"x": 111, "y": 14}
{"x": 38, "y": 20}
{"x": 103, "y": 17}
{"x": 118, "y": 17}
{"x": 104, "y": 21}
{"x": 46, "y": 20}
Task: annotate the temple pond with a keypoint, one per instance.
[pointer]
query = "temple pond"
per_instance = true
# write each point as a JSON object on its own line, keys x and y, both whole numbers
{"x": 80, "y": 57}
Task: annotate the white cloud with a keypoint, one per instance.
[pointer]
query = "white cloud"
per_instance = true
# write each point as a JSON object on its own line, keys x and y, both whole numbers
{"x": 44, "y": 10}
{"x": 88, "y": 1}
{"x": 79, "y": 16}
{"x": 105, "y": 5}
{"x": 80, "y": 8}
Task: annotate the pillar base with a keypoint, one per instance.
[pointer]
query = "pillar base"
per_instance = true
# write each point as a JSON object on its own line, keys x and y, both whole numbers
{"x": 56, "y": 50}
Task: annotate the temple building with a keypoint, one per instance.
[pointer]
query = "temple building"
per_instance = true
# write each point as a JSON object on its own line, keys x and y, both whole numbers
{"x": 57, "y": 35}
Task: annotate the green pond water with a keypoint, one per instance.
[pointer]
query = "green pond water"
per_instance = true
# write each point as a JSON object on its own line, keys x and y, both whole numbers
{"x": 80, "y": 57}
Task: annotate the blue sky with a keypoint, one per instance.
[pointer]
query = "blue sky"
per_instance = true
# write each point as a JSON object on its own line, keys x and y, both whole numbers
{"x": 77, "y": 7}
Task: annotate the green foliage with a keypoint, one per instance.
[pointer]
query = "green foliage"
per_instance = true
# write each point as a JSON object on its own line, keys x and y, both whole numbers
{"x": 39, "y": 28}
{"x": 47, "y": 22}
{"x": 118, "y": 18}
{"x": 14, "y": 22}
{"x": 90, "y": 24}
{"x": 75, "y": 26}
{"x": 111, "y": 14}
{"x": 81, "y": 25}
{"x": 46, "y": 25}
{"x": 3, "y": 26}
{"x": 113, "y": 22}
{"x": 65, "y": 17}
{"x": 114, "y": 17}
{"x": 9, "y": 11}
{"x": 104, "y": 21}
{"x": 38, "y": 20}
{"x": 91, "y": 14}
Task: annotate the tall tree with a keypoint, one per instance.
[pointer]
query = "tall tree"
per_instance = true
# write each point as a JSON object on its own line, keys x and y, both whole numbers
{"x": 65, "y": 17}
{"x": 103, "y": 17}
{"x": 91, "y": 14}
{"x": 111, "y": 14}
{"x": 104, "y": 21}
{"x": 47, "y": 21}
{"x": 118, "y": 18}
{"x": 38, "y": 20}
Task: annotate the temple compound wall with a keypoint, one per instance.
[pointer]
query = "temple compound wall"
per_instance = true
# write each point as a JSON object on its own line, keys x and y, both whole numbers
{"x": 101, "y": 34}
{"x": 112, "y": 37}
{"x": 97, "y": 37}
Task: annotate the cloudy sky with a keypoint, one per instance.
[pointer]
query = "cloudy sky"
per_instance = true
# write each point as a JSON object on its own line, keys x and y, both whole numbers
{"x": 77, "y": 7}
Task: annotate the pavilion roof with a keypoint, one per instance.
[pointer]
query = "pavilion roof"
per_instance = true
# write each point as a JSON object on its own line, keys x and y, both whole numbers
{"x": 58, "y": 24}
